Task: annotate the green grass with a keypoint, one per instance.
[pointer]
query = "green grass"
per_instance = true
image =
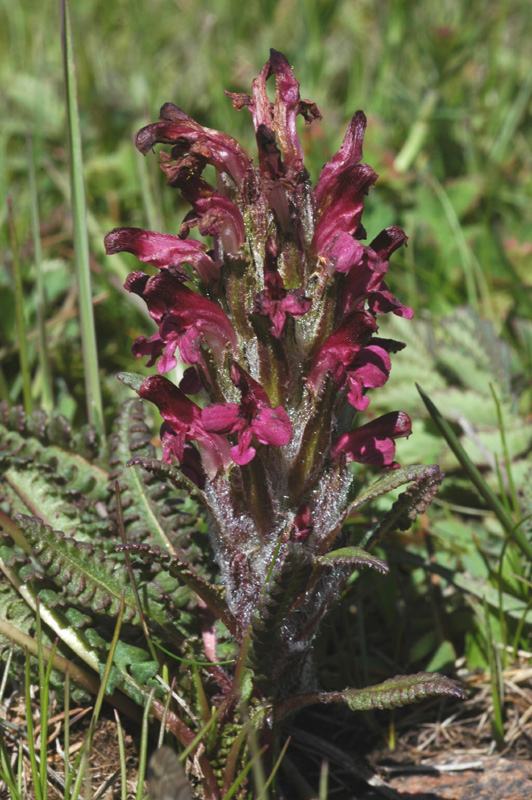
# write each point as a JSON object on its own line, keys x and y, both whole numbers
{"x": 446, "y": 87}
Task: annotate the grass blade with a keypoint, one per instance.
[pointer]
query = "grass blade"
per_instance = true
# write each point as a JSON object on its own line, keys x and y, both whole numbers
{"x": 47, "y": 398}
{"x": 19, "y": 314}
{"x": 476, "y": 478}
{"x": 79, "y": 221}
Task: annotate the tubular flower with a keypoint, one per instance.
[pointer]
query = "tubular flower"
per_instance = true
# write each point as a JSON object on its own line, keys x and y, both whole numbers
{"x": 163, "y": 250}
{"x": 183, "y": 424}
{"x": 374, "y": 442}
{"x": 185, "y": 319}
{"x": 254, "y": 416}
{"x": 276, "y": 318}
{"x": 275, "y": 301}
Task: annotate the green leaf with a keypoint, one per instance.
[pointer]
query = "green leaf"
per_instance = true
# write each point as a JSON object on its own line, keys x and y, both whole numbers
{"x": 131, "y": 379}
{"x": 393, "y": 480}
{"x": 408, "y": 505}
{"x": 443, "y": 659}
{"x": 91, "y": 579}
{"x": 79, "y": 222}
{"x": 152, "y": 508}
{"x": 356, "y": 556}
{"x": 403, "y": 690}
{"x": 211, "y": 595}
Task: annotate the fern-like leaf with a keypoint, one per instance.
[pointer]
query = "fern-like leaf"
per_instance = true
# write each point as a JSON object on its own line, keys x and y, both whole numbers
{"x": 409, "y": 504}
{"x": 356, "y": 556}
{"x": 393, "y": 693}
{"x": 403, "y": 690}
{"x": 153, "y": 510}
{"x": 89, "y": 578}
{"x": 211, "y": 595}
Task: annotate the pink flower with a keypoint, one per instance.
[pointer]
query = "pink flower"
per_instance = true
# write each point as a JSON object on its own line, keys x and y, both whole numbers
{"x": 374, "y": 442}
{"x": 339, "y": 194}
{"x": 189, "y": 138}
{"x": 365, "y": 279}
{"x": 162, "y": 250}
{"x": 185, "y": 319}
{"x": 182, "y": 425}
{"x": 275, "y": 301}
{"x": 252, "y": 417}
{"x": 280, "y": 151}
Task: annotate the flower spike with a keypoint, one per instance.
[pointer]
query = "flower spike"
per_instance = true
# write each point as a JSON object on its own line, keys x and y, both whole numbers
{"x": 276, "y": 318}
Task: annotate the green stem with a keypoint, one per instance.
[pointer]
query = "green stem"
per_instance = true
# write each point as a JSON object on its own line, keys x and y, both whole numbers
{"x": 79, "y": 221}
{"x": 47, "y": 398}
{"x": 19, "y": 315}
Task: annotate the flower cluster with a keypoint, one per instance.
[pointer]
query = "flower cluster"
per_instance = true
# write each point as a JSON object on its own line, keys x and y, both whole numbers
{"x": 276, "y": 321}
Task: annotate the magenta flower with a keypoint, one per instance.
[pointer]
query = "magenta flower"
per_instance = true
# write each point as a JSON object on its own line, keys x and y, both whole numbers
{"x": 276, "y": 319}
{"x": 185, "y": 318}
{"x": 184, "y": 425}
{"x": 346, "y": 358}
{"x": 365, "y": 279}
{"x": 252, "y": 417}
{"x": 190, "y": 139}
{"x": 374, "y": 442}
{"x": 275, "y": 301}
{"x": 162, "y": 250}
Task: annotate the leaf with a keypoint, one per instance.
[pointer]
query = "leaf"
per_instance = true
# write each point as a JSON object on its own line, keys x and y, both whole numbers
{"x": 210, "y": 594}
{"x": 167, "y": 472}
{"x": 356, "y": 556}
{"x": 393, "y": 693}
{"x": 443, "y": 658}
{"x": 43, "y": 473}
{"x": 476, "y": 478}
{"x": 152, "y": 509}
{"x": 131, "y": 379}
{"x": 393, "y": 480}
{"x": 403, "y": 690}
{"x": 90, "y": 578}
{"x": 409, "y": 504}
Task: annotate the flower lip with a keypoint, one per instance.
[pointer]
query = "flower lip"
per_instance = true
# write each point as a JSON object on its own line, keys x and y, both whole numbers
{"x": 218, "y": 149}
{"x": 339, "y": 350}
{"x": 374, "y": 443}
{"x": 183, "y": 424}
{"x": 349, "y": 154}
{"x": 253, "y": 416}
{"x": 185, "y": 319}
{"x": 162, "y": 250}
{"x": 274, "y": 301}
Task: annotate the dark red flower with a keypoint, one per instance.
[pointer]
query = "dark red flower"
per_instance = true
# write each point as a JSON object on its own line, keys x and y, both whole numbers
{"x": 162, "y": 250}
{"x": 275, "y": 123}
{"x": 252, "y": 417}
{"x": 185, "y": 319}
{"x": 302, "y": 525}
{"x": 340, "y": 349}
{"x": 183, "y": 424}
{"x": 374, "y": 443}
{"x": 365, "y": 280}
{"x": 275, "y": 301}
{"x": 339, "y": 194}
{"x": 177, "y": 128}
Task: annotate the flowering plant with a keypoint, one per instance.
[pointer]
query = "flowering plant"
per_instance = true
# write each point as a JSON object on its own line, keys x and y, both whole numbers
{"x": 279, "y": 333}
{"x": 276, "y": 323}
